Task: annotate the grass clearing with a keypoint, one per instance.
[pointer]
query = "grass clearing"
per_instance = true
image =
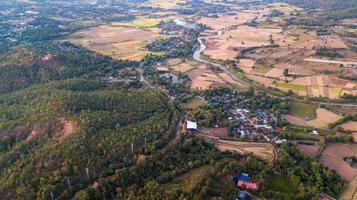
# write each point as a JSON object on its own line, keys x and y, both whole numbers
{"x": 190, "y": 179}
{"x": 194, "y": 103}
{"x": 303, "y": 110}
{"x": 281, "y": 184}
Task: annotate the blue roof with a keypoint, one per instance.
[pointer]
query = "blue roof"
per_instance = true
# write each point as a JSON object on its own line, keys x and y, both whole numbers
{"x": 242, "y": 194}
{"x": 244, "y": 177}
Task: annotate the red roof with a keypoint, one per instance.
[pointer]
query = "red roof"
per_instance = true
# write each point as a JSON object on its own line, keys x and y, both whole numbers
{"x": 248, "y": 185}
{"x": 277, "y": 129}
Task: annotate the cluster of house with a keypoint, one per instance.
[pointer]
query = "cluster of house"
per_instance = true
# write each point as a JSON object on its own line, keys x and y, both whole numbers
{"x": 254, "y": 125}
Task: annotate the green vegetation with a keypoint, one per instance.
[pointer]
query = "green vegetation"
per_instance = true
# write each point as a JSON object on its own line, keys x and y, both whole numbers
{"x": 23, "y": 66}
{"x": 291, "y": 86}
{"x": 303, "y": 110}
{"x": 108, "y": 120}
{"x": 188, "y": 181}
{"x": 278, "y": 183}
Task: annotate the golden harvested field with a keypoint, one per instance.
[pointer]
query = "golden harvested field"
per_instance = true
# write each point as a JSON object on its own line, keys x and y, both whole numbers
{"x": 165, "y": 4}
{"x": 200, "y": 76}
{"x": 142, "y": 22}
{"x": 183, "y": 67}
{"x": 265, "y": 151}
{"x": 324, "y": 118}
{"x": 117, "y": 42}
{"x": 224, "y": 46}
{"x": 333, "y": 155}
{"x": 174, "y": 61}
{"x": 222, "y": 21}
{"x": 310, "y": 40}
{"x": 351, "y": 191}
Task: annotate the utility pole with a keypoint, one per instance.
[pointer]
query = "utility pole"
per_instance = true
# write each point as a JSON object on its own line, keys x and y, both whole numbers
{"x": 52, "y": 196}
{"x": 68, "y": 183}
{"x": 87, "y": 171}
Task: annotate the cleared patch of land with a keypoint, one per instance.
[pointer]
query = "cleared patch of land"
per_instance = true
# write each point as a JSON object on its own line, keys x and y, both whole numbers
{"x": 194, "y": 103}
{"x": 116, "y": 41}
{"x": 200, "y": 76}
{"x": 226, "y": 46}
{"x": 263, "y": 150}
{"x": 349, "y": 126}
{"x": 165, "y": 4}
{"x": 310, "y": 150}
{"x": 333, "y": 155}
{"x": 324, "y": 118}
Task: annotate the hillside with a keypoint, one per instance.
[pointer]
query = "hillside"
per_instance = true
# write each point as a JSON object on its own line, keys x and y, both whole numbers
{"x": 51, "y": 133}
{"x": 22, "y": 66}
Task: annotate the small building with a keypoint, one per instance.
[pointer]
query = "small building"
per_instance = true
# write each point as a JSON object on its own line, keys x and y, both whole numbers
{"x": 248, "y": 185}
{"x": 191, "y": 125}
{"x": 314, "y": 132}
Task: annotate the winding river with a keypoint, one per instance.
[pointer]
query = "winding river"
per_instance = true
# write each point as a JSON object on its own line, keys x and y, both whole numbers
{"x": 202, "y": 47}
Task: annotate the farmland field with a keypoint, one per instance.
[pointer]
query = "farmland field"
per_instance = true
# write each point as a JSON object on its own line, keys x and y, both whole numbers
{"x": 303, "y": 110}
{"x": 333, "y": 155}
{"x": 117, "y": 42}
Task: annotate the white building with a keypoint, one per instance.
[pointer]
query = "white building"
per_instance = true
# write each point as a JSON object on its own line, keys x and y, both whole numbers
{"x": 191, "y": 125}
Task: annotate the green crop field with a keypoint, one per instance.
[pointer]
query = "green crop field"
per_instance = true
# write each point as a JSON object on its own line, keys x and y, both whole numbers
{"x": 303, "y": 110}
{"x": 291, "y": 86}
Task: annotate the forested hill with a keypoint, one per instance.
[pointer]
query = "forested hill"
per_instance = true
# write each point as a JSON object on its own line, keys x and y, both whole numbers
{"x": 63, "y": 136}
{"x": 22, "y": 66}
{"x": 329, "y": 4}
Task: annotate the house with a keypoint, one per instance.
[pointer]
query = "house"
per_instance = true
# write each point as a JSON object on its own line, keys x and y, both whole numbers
{"x": 248, "y": 185}
{"x": 242, "y": 181}
{"x": 314, "y": 132}
{"x": 191, "y": 125}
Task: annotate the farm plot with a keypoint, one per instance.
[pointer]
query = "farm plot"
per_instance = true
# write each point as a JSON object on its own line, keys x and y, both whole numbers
{"x": 117, "y": 42}
{"x": 333, "y": 155}
{"x": 350, "y": 126}
{"x": 164, "y": 4}
{"x": 324, "y": 118}
{"x": 310, "y": 150}
{"x": 265, "y": 151}
{"x": 142, "y": 22}
{"x": 222, "y": 21}
{"x": 199, "y": 75}
{"x": 225, "y": 47}
{"x": 303, "y": 110}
